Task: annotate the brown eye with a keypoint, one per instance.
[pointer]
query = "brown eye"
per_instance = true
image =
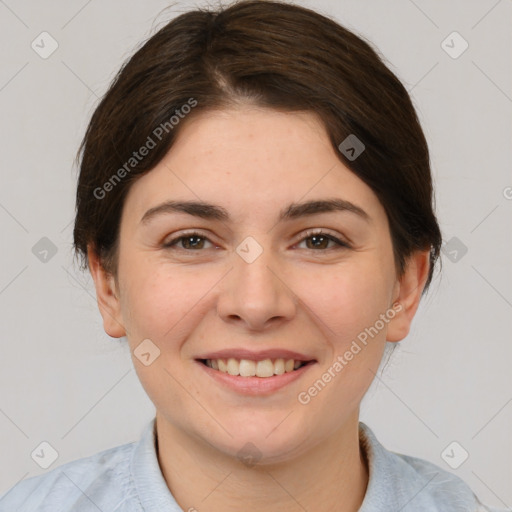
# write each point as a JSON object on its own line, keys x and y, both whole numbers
{"x": 188, "y": 242}
{"x": 192, "y": 242}
{"x": 320, "y": 241}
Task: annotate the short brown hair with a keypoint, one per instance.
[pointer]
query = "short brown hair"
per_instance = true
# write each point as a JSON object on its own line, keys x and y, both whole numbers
{"x": 271, "y": 54}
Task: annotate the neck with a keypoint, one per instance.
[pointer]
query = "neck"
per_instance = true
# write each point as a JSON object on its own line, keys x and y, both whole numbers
{"x": 331, "y": 476}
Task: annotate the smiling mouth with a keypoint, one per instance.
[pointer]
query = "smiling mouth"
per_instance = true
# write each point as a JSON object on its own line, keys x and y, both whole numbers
{"x": 249, "y": 368}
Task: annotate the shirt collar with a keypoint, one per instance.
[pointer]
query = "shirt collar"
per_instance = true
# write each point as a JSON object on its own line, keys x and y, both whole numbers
{"x": 405, "y": 483}
{"x": 152, "y": 489}
{"x": 393, "y": 484}
{"x": 380, "y": 474}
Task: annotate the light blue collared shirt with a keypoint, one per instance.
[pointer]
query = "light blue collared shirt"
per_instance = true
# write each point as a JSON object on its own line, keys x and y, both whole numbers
{"x": 128, "y": 478}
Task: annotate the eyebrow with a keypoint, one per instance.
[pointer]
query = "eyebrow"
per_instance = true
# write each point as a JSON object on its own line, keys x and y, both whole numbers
{"x": 293, "y": 211}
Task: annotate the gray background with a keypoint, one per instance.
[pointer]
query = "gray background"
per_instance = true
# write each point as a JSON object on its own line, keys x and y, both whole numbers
{"x": 64, "y": 381}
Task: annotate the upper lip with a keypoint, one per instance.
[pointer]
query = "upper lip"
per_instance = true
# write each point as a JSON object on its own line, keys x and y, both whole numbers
{"x": 240, "y": 353}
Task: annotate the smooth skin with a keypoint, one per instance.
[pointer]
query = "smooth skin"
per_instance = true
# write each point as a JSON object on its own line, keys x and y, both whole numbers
{"x": 309, "y": 295}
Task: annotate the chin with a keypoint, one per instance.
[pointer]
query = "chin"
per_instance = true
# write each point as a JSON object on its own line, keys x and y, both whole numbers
{"x": 264, "y": 441}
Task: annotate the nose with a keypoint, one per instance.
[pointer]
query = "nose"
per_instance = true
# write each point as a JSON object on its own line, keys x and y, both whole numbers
{"x": 256, "y": 295}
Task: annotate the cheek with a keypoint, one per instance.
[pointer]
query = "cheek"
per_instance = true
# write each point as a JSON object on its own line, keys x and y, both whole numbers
{"x": 163, "y": 303}
{"x": 149, "y": 303}
{"x": 346, "y": 300}
{"x": 349, "y": 304}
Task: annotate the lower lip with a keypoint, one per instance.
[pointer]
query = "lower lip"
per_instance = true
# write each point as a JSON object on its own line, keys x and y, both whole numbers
{"x": 255, "y": 385}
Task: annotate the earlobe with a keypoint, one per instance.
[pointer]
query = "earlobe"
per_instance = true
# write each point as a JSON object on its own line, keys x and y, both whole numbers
{"x": 410, "y": 287}
{"x": 107, "y": 296}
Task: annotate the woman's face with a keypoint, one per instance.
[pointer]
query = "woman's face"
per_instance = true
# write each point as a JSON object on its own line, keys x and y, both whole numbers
{"x": 254, "y": 283}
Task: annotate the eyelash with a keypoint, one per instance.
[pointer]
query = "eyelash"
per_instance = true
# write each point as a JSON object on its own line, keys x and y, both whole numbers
{"x": 309, "y": 234}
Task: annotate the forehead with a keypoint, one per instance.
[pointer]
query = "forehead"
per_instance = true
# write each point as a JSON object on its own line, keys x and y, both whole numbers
{"x": 245, "y": 138}
{"x": 253, "y": 159}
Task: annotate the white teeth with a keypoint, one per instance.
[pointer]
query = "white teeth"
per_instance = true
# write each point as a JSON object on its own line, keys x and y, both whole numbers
{"x": 279, "y": 367}
{"x": 289, "y": 364}
{"x": 249, "y": 368}
{"x": 265, "y": 368}
{"x": 233, "y": 366}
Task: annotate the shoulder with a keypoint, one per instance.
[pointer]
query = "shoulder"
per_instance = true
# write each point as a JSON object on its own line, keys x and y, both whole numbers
{"x": 413, "y": 484}
{"x": 444, "y": 484}
{"x": 446, "y": 488}
{"x": 78, "y": 485}
{"x": 442, "y": 488}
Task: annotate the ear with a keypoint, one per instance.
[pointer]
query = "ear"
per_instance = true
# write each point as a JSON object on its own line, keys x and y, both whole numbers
{"x": 107, "y": 296}
{"x": 409, "y": 288}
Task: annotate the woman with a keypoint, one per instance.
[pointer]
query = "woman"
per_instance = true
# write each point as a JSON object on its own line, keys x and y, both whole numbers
{"x": 255, "y": 208}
